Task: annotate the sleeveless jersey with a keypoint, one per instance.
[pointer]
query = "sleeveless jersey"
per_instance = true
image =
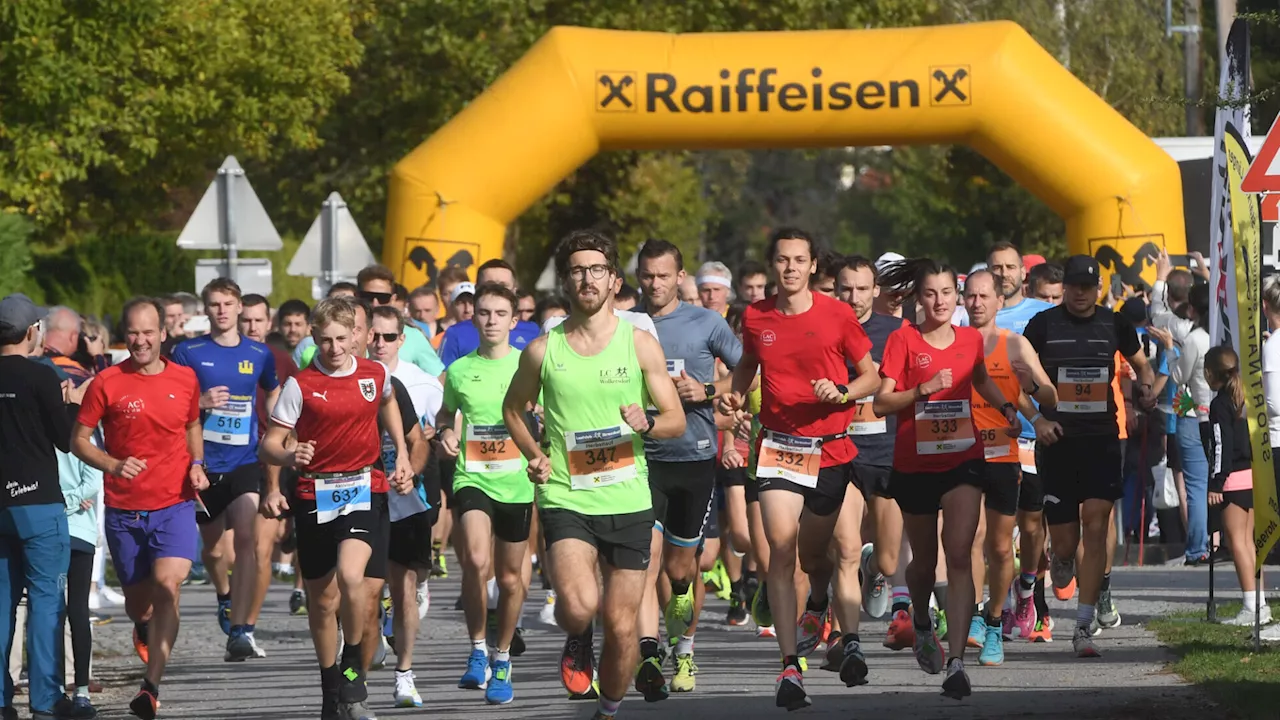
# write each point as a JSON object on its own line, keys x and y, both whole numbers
{"x": 997, "y": 445}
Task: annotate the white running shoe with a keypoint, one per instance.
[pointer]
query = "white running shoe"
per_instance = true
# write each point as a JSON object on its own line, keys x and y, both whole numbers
{"x": 109, "y": 597}
{"x": 257, "y": 651}
{"x": 1245, "y": 617}
{"x": 424, "y": 600}
{"x": 548, "y": 612}
{"x": 406, "y": 692}
{"x": 1270, "y": 633}
{"x": 95, "y": 601}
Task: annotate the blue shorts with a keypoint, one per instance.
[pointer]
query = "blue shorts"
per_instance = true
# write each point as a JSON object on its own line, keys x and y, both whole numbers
{"x": 137, "y": 539}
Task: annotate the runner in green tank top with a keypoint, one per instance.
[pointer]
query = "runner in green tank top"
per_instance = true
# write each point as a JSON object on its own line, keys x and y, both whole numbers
{"x": 492, "y": 495}
{"x": 596, "y": 375}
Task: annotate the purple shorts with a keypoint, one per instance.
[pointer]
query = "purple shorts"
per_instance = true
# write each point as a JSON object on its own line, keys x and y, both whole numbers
{"x": 137, "y": 539}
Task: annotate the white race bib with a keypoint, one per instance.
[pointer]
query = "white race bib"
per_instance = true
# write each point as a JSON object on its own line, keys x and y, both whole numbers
{"x": 490, "y": 449}
{"x": 600, "y": 458}
{"x": 943, "y": 427}
{"x": 1083, "y": 390}
{"x": 791, "y": 458}
{"x": 343, "y": 495}
{"x": 230, "y": 424}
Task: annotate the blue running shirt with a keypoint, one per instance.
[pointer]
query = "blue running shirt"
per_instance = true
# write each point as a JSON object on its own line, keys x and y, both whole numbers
{"x": 231, "y": 431}
{"x": 1015, "y": 319}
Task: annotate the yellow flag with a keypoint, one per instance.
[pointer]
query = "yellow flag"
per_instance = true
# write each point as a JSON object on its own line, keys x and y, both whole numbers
{"x": 1246, "y": 237}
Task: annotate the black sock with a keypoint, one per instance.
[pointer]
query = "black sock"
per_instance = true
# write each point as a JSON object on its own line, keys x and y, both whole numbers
{"x": 141, "y": 629}
{"x": 993, "y": 620}
{"x": 351, "y": 659}
{"x": 151, "y": 688}
{"x": 1106, "y": 582}
{"x": 649, "y": 647}
{"x": 1042, "y": 606}
{"x": 679, "y": 588}
{"x": 940, "y": 592}
{"x": 224, "y": 598}
{"x": 330, "y": 680}
{"x": 749, "y": 576}
{"x": 791, "y": 661}
{"x": 851, "y": 637}
{"x": 814, "y": 605}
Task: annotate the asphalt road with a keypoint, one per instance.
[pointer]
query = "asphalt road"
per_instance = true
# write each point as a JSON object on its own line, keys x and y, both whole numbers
{"x": 736, "y": 676}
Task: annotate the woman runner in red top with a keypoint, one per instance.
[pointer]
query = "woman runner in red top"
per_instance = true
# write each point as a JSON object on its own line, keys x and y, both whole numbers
{"x": 930, "y": 371}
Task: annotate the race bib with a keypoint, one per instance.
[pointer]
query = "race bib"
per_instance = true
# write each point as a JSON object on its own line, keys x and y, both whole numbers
{"x": 995, "y": 443}
{"x": 599, "y": 458}
{"x": 490, "y": 449}
{"x": 675, "y": 366}
{"x": 342, "y": 495}
{"x": 865, "y": 421}
{"x": 229, "y": 424}
{"x": 1027, "y": 454}
{"x": 943, "y": 427}
{"x": 1083, "y": 390}
{"x": 795, "y": 459}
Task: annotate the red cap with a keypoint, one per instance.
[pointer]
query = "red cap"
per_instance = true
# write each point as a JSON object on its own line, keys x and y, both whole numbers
{"x": 1030, "y": 261}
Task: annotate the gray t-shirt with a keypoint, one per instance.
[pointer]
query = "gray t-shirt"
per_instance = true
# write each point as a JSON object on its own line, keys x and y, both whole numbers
{"x": 693, "y": 338}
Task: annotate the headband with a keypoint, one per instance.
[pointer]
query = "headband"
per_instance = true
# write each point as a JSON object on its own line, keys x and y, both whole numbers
{"x": 714, "y": 280}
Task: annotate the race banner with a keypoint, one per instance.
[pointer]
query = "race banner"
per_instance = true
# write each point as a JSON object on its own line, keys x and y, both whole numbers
{"x": 1232, "y": 112}
{"x": 1246, "y": 231}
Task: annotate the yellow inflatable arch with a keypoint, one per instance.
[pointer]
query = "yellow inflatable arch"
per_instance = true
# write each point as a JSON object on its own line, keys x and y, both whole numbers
{"x": 578, "y": 92}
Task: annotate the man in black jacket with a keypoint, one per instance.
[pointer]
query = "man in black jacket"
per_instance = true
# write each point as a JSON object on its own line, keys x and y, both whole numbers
{"x": 34, "y": 543}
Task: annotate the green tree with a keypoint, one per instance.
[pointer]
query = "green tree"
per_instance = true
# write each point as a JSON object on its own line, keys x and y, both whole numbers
{"x": 14, "y": 231}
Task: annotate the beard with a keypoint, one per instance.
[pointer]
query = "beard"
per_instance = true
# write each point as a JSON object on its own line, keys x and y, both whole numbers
{"x": 588, "y": 305}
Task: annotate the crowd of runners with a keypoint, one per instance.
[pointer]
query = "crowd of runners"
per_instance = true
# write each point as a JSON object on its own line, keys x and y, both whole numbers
{"x": 822, "y": 437}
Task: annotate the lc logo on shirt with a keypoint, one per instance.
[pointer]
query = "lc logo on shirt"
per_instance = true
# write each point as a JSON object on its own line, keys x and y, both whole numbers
{"x": 246, "y": 367}
{"x": 923, "y": 360}
{"x": 767, "y": 338}
{"x": 614, "y": 376}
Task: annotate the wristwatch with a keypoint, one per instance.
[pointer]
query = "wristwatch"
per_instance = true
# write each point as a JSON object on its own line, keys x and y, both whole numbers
{"x": 710, "y": 390}
{"x": 1035, "y": 388}
{"x": 652, "y": 422}
{"x": 844, "y": 393}
{"x": 1008, "y": 406}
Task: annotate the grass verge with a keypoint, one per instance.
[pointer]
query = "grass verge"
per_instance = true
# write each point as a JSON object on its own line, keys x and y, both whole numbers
{"x": 1220, "y": 659}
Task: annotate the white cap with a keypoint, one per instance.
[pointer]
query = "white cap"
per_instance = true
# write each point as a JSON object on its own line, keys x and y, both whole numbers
{"x": 977, "y": 266}
{"x": 462, "y": 288}
{"x": 887, "y": 259}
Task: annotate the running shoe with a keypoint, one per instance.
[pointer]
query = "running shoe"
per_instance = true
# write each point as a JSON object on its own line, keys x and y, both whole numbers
{"x": 406, "y": 693}
{"x": 649, "y": 680}
{"x": 517, "y": 642}
{"x": 977, "y": 632}
{"x": 940, "y": 622}
{"x": 809, "y": 630}
{"x": 956, "y": 686}
{"x": 683, "y": 680}
{"x": 478, "y": 671}
{"x": 380, "y": 655}
{"x": 355, "y": 711}
{"x": 835, "y": 652}
{"x": 144, "y": 705}
{"x": 1024, "y": 617}
{"x": 829, "y": 632}
{"x": 499, "y": 691}
{"x": 547, "y": 616}
{"x": 298, "y": 603}
{"x": 1107, "y": 614}
{"x": 737, "y": 614}
{"x": 239, "y": 647}
{"x": 1062, "y": 573}
{"x": 679, "y": 613}
{"x": 577, "y": 665}
{"x": 140, "y": 644}
{"x": 790, "y": 689}
{"x": 1082, "y": 643}
{"x": 441, "y": 568}
{"x": 76, "y": 708}
{"x": 992, "y": 647}
{"x": 257, "y": 651}
{"x": 875, "y": 589}
{"x": 760, "y": 610}
{"x": 1043, "y": 631}
{"x": 423, "y": 597}
{"x": 766, "y": 631}
{"x": 1271, "y": 633}
{"x": 853, "y": 666}
{"x": 1245, "y": 617}
{"x": 928, "y": 651}
{"x": 902, "y": 633}
{"x": 224, "y": 616}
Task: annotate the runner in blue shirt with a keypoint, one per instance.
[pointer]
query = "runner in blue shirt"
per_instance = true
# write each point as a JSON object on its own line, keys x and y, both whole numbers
{"x": 461, "y": 339}
{"x": 230, "y": 369}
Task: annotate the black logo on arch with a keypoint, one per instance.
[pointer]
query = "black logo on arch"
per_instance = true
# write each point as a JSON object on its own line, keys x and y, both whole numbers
{"x": 616, "y": 91}
{"x": 949, "y": 86}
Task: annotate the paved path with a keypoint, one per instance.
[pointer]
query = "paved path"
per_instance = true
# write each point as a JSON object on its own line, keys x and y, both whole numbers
{"x": 735, "y": 681}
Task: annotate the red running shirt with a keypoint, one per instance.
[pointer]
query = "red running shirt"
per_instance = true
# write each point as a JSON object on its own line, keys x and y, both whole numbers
{"x": 146, "y": 417}
{"x": 945, "y": 436}
{"x": 795, "y": 350}
{"x": 339, "y": 413}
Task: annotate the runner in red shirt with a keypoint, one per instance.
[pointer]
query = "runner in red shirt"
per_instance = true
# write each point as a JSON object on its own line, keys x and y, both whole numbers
{"x": 803, "y": 343}
{"x": 153, "y": 466}
{"x": 340, "y": 504}
{"x": 930, "y": 372}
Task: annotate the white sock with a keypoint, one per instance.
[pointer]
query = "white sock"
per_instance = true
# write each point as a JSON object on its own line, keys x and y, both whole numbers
{"x": 481, "y": 646}
{"x": 684, "y": 646}
{"x": 501, "y": 655}
{"x": 1250, "y": 602}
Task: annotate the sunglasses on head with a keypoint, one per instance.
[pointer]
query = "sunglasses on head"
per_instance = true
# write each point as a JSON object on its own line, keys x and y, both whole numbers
{"x": 387, "y": 337}
{"x": 382, "y": 298}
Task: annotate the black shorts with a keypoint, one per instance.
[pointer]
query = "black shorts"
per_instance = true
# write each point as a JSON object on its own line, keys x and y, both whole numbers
{"x": 824, "y": 499}
{"x": 1242, "y": 499}
{"x": 410, "y": 540}
{"x": 873, "y": 479}
{"x": 1075, "y": 469}
{"x": 683, "y": 495}
{"x": 921, "y": 493}
{"x": 729, "y": 478}
{"x": 447, "y": 466}
{"x": 225, "y": 487}
{"x": 510, "y": 521}
{"x": 430, "y": 478}
{"x": 753, "y": 489}
{"x": 1031, "y": 493}
{"x": 1000, "y": 486}
{"x": 318, "y": 544}
{"x": 621, "y": 540}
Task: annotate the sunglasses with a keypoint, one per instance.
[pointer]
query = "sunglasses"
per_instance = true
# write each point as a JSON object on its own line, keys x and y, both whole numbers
{"x": 387, "y": 337}
{"x": 90, "y": 338}
{"x": 382, "y": 298}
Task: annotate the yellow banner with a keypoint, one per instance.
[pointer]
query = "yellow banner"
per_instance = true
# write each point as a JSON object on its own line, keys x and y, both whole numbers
{"x": 1246, "y": 231}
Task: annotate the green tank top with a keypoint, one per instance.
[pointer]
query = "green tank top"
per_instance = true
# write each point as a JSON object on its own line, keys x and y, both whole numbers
{"x": 487, "y": 458}
{"x": 597, "y": 462}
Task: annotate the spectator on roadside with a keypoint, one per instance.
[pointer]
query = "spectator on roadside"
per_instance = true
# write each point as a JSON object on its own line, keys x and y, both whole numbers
{"x": 1271, "y": 366}
{"x": 61, "y": 338}
{"x": 35, "y": 423}
{"x": 91, "y": 352}
{"x": 81, "y": 491}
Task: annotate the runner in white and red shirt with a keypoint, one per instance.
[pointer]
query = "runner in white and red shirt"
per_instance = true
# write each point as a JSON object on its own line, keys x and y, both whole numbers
{"x": 803, "y": 343}
{"x": 340, "y": 504}
{"x": 930, "y": 371}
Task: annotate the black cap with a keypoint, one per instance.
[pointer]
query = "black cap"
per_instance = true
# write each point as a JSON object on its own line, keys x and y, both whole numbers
{"x": 1081, "y": 270}
{"x": 1134, "y": 310}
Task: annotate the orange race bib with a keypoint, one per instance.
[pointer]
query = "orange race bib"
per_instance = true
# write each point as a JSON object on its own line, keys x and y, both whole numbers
{"x": 864, "y": 420}
{"x": 1027, "y": 454}
{"x": 491, "y": 450}
{"x": 1083, "y": 390}
{"x": 943, "y": 427}
{"x": 792, "y": 458}
{"x": 995, "y": 443}
{"x": 599, "y": 458}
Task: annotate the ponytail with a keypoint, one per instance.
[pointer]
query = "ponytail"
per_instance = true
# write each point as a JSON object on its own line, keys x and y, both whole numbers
{"x": 1224, "y": 364}
{"x": 904, "y": 276}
